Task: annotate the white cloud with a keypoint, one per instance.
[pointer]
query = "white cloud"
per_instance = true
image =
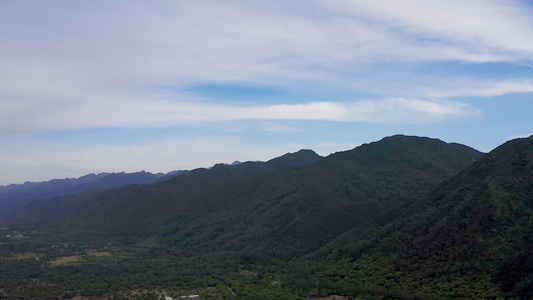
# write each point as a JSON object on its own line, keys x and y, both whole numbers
{"x": 389, "y": 111}
{"x": 488, "y": 29}
{"x": 95, "y": 64}
{"x": 179, "y": 43}
{"x": 486, "y": 88}
{"x": 158, "y": 113}
{"x": 79, "y": 66}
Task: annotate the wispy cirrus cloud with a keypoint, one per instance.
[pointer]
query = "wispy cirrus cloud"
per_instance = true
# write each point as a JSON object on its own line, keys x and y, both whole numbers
{"x": 133, "y": 113}
{"x": 68, "y": 46}
{"x": 81, "y": 66}
{"x": 389, "y": 111}
{"x": 486, "y": 88}
{"x": 479, "y": 30}
{"x": 72, "y": 54}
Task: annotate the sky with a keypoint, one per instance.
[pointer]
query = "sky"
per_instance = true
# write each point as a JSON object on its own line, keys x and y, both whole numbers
{"x": 110, "y": 86}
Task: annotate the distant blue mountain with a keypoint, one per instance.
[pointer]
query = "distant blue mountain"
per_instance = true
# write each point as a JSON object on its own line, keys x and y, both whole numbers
{"x": 15, "y": 196}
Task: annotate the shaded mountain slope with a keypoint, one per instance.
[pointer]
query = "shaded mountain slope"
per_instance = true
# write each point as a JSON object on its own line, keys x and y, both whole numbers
{"x": 266, "y": 209}
{"x": 16, "y": 196}
{"x": 286, "y": 214}
{"x": 132, "y": 209}
{"x": 469, "y": 237}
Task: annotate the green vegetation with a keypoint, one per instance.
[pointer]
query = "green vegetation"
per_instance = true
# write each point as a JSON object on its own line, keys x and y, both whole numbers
{"x": 402, "y": 218}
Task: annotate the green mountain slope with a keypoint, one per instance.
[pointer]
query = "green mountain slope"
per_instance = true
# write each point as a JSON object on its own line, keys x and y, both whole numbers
{"x": 296, "y": 210}
{"x": 132, "y": 209}
{"x": 286, "y": 214}
{"x": 254, "y": 231}
{"x": 469, "y": 237}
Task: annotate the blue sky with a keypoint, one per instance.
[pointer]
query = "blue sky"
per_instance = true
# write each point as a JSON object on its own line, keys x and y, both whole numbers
{"x": 100, "y": 86}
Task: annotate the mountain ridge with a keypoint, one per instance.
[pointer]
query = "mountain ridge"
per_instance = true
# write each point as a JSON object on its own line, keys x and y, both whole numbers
{"x": 401, "y": 218}
{"x": 188, "y": 184}
{"x": 475, "y": 226}
{"x": 16, "y": 196}
{"x": 358, "y": 181}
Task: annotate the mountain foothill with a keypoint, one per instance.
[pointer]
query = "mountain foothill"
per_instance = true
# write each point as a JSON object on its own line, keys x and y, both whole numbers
{"x": 404, "y": 217}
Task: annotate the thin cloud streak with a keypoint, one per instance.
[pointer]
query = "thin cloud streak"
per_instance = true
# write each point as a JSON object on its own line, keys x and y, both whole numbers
{"x": 131, "y": 113}
{"x": 390, "y": 111}
{"x": 487, "y": 88}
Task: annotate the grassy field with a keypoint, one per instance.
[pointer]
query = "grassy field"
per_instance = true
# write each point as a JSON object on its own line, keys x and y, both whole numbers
{"x": 75, "y": 259}
{"x": 27, "y": 255}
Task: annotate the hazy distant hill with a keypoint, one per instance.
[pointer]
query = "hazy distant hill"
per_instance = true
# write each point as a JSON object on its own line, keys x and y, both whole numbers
{"x": 16, "y": 196}
{"x": 468, "y": 237}
{"x": 126, "y": 209}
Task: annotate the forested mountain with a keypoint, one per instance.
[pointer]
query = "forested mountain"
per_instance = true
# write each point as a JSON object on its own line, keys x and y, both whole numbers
{"x": 334, "y": 194}
{"x": 402, "y": 218}
{"x": 468, "y": 237}
{"x": 286, "y": 214}
{"x": 129, "y": 209}
{"x": 16, "y": 196}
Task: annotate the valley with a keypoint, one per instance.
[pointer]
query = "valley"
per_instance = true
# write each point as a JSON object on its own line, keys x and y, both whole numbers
{"x": 401, "y": 218}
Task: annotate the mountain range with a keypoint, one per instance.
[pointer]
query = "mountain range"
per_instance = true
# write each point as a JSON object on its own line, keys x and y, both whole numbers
{"x": 401, "y": 218}
{"x": 16, "y": 196}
